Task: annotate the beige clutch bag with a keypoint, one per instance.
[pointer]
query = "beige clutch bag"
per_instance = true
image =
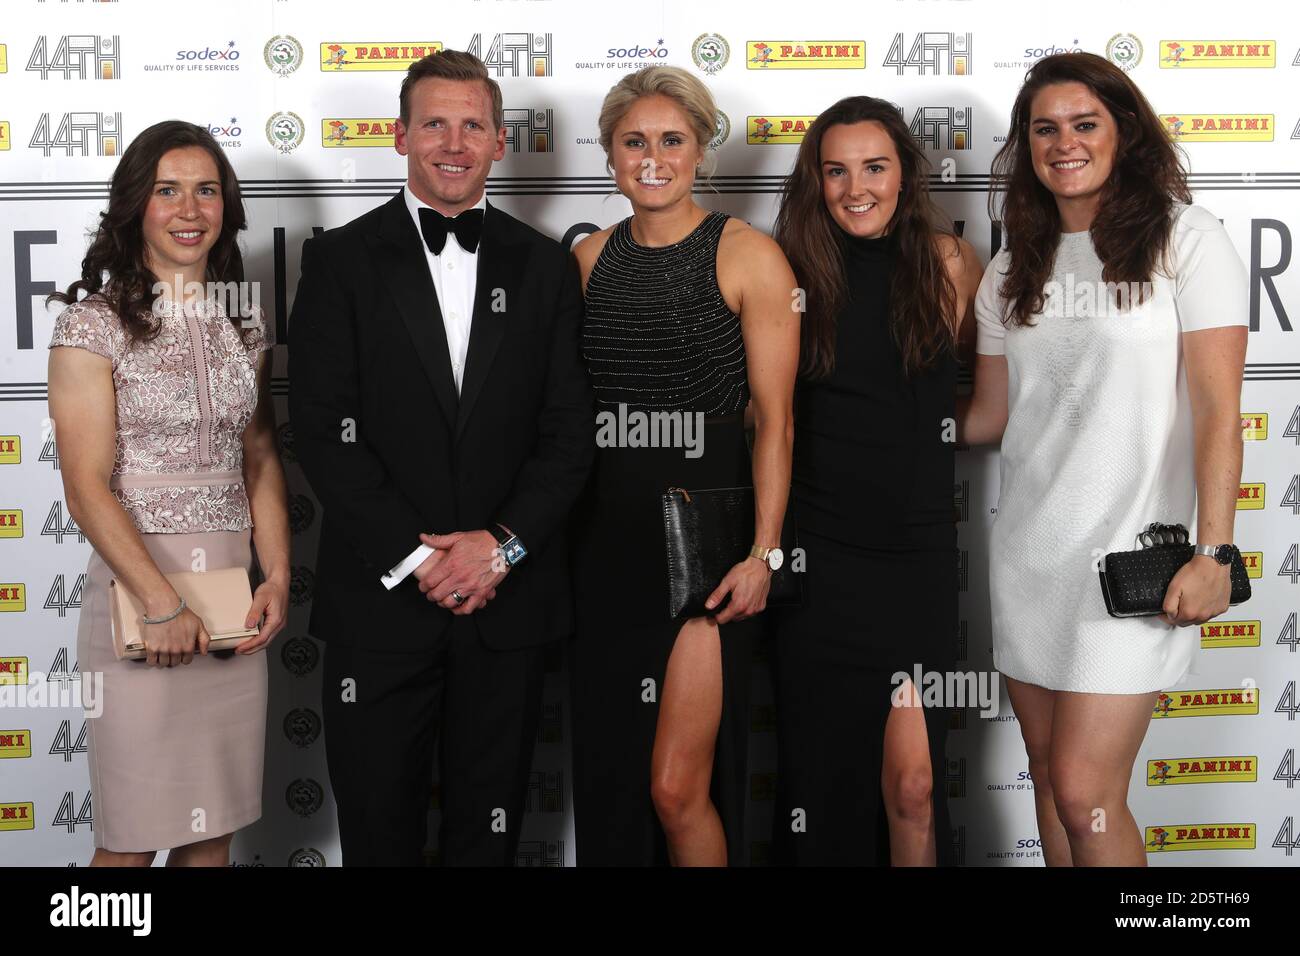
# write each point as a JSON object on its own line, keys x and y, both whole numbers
{"x": 220, "y": 598}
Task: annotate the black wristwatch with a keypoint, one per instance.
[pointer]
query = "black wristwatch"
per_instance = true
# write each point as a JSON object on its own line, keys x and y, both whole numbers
{"x": 512, "y": 549}
{"x": 1221, "y": 553}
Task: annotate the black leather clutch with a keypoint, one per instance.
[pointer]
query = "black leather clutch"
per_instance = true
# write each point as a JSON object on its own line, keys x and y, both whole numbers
{"x": 1134, "y": 583}
{"x": 708, "y": 532}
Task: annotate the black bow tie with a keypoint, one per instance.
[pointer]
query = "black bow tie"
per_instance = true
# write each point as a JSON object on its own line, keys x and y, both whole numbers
{"x": 434, "y": 226}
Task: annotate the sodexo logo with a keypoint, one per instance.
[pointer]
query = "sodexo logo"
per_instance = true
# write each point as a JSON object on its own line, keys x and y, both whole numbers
{"x": 634, "y": 51}
{"x": 1034, "y": 53}
{"x": 626, "y": 56}
{"x": 227, "y": 134}
{"x": 227, "y": 54}
{"x": 198, "y": 58}
{"x": 1026, "y": 56}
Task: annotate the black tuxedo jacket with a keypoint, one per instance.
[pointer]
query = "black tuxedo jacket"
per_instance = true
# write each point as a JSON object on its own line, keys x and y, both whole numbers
{"x": 368, "y": 353}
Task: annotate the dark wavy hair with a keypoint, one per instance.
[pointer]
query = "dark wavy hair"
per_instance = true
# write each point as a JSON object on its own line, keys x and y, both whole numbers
{"x": 114, "y": 266}
{"x": 1131, "y": 231}
{"x": 923, "y": 300}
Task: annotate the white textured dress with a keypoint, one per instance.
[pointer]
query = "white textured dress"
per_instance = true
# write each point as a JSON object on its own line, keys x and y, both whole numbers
{"x": 1098, "y": 444}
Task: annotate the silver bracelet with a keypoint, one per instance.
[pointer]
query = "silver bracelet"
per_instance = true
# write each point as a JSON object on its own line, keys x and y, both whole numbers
{"x": 163, "y": 620}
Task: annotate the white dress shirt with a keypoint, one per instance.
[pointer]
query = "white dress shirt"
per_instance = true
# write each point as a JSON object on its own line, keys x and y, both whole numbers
{"x": 455, "y": 278}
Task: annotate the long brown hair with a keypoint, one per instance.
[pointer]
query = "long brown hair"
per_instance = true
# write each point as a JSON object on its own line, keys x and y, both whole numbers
{"x": 922, "y": 297}
{"x": 1131, "y": 231}
{"x": 114, "y": 265}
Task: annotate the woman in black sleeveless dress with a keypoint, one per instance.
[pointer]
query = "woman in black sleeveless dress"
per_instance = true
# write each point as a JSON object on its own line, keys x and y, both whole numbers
{"x": 872, "y": 493}
{"x": 687, "y": 312}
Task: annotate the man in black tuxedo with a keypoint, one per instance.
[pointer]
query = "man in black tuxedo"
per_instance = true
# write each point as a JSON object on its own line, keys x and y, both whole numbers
{"x": 443, "y": 415}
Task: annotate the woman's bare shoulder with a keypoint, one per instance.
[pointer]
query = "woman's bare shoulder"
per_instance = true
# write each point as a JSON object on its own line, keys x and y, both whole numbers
{"x": 752, "y": 250}
{"x": 588, "y": 250}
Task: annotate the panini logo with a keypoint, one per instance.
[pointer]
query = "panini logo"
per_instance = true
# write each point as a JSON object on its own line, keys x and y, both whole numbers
{"x": 806, "y": 55}
{"x": 11, "y": 523}
{"x": 17, "y": 816}
{"x": 1201, "y": 770}
{"x": 1230, "y": 634}
{"x": 1254, "y": 562}
{"x": 347, "y": 132}
{"x": 13, "y": 597}
{"x": 1254, "y": 426}
{"x": 1250, "y": 496}
{"x": 4, "y": 134}
{"x": 11, "y": 446}
{"x": 1219, "y": 127}
{"x": 351, "y": 57}
{"x": 1207, "y": 703}
{"x": 13, "y": 671}
{"x": 1216, "y": 54}
{"x": 1213, "y": 836}
{"x": 15, "y": 743}
{"x": 776, "y": 130}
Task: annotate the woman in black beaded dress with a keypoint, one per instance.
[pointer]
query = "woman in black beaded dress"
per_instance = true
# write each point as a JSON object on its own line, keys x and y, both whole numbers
{"x": 689, "y": 313}
{"x": 889, "y": 291}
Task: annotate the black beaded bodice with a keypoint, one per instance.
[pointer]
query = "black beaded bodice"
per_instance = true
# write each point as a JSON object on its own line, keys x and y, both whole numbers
{"x": 658, "y": 333}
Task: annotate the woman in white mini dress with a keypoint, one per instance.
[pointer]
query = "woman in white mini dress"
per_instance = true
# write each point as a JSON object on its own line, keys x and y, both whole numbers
{"x": 1111, "y": 416}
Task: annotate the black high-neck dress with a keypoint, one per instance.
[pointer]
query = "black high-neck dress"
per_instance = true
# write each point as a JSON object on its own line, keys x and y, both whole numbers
{"x": 872, "y": 493}
{"x": 658, "y": 337}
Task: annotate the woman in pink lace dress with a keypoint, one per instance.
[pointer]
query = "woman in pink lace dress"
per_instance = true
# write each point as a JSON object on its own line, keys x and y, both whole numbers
{"x": 166, "y": 438}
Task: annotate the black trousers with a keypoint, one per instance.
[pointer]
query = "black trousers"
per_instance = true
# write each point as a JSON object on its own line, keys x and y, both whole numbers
{"x": 480, "y": 707}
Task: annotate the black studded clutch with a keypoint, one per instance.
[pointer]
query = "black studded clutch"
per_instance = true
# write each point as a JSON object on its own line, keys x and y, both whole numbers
{"x": 1134, "y": 583}
{"x": 707, "y": 532}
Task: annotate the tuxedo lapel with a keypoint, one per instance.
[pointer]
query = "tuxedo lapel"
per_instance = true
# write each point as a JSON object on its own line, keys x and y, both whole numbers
{"x": 402, "y": 263}
{"x": 500, "y": 263}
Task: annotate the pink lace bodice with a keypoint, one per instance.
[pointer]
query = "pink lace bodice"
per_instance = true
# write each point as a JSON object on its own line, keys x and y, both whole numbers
{"x": 183, "y": 401}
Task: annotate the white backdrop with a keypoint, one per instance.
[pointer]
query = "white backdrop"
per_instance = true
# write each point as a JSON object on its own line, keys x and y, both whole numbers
{"x": 301, "y": 94}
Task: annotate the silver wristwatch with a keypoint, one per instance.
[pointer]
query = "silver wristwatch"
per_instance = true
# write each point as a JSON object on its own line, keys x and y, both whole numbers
{"x": 511, "y": 548}
{"x": 1222, "y": 553}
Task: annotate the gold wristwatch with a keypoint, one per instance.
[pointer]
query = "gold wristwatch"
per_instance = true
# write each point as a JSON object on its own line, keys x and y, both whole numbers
{"x": 773, "y": 557}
